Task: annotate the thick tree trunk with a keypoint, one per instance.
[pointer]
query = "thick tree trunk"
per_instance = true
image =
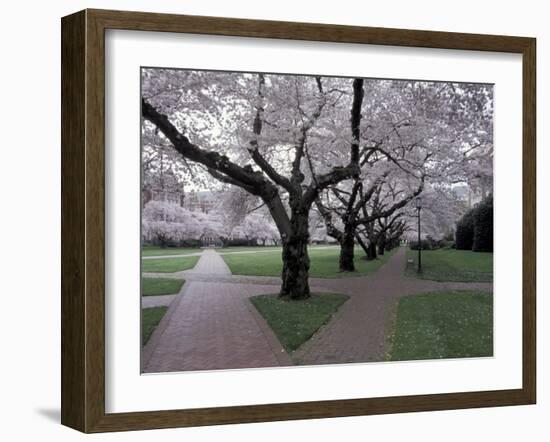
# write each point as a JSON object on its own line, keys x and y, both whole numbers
{"x": 371, "y": 251}
{"x": 295, "y": 274}
{"x": 347, "y": 245}
{"x": 265, "y": 184}
{"x": 382, "y": 244}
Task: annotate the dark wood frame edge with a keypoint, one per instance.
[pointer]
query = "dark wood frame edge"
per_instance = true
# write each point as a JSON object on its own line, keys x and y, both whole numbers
{"x": 83, "y": 235}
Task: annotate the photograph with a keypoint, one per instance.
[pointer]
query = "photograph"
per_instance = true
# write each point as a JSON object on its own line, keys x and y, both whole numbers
{"x": 299, "y": 220}
{"x": 256, "y": 222}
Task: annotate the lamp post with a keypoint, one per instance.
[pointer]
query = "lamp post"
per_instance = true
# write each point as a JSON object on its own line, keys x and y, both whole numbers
{"x": 419, "y": 208}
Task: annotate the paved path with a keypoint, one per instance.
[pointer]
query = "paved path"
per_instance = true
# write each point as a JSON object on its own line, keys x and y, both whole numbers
{"x": 357, "y": 333}
{"x": 211, "y": 324}
{"x": 210, "y": 263}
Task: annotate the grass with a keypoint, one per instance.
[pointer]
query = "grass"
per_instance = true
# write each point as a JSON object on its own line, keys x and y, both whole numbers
{"x": 160, "y": 286}
{"x": 265, "y": 248}
{"x": 452, "y": 265}
{"x": 323, "y": 263}
{"x": 159, "y": 251}
{"x": 168, "y": 265}
{"x": 150, "y": 318}
{"x": 453, "y": 324}
{"x": 249, "y": 249}
{"x": 294, "y": 322}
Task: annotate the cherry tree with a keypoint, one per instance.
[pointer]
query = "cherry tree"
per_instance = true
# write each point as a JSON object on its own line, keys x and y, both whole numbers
{"x": 393, "y": 157}
{"x": 365, "y": 209}
{"x": 414, "y": 133}
{"x": 166, "y": 222}
{"x": 255, "y": 131}
{"x": 256, "y": 227}
{"x": 441, "y": 208}
{"x": 234, "y": 206}
{"x": 358, "y": 150}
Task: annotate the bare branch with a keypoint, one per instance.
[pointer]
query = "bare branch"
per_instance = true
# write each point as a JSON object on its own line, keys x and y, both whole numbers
{"x": 394, "y": 207}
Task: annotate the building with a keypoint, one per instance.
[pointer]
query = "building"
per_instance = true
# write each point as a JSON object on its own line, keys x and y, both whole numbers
{"x": 201, "y": 201}
{"x": 467, "y": 194}
{"x": 159, "y": 195}
{"x": 162, "y": 187}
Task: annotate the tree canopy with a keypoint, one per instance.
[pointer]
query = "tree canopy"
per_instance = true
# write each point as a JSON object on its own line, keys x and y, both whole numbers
{"x": 349, "y": 154}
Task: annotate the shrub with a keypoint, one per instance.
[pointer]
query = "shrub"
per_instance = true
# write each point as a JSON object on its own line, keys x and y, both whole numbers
{"x": 193, "y": 243}
{"x": 430, "y": 243}
{"x": 392, "y": 243}
{"x": 425, "y": 245}
{"x": 239, "y": 242}
{"x": 483, "y": 226}
{"x": 445, "y": 244}
{"x": 438, "y": 243}
{"x": 465, "y": 231}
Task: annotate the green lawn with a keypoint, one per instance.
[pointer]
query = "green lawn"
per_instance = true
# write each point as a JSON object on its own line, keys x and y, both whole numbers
{"x": 294, "y": 322}
{"x": 452, "y": 265}
{"x": 160, "y": 286}
{"x": 324, "y": 263}
{"x": 248, "y": 249}
{"x": 168, "y": 265}
{"x": 454, "y": 324}
{"x": 265, "y": 248}
{"x": 159, "y": 251}
{"x": 150, "y": 318}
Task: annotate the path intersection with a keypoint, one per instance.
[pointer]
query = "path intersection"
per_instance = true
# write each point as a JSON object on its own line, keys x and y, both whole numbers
{"x": 210, "y": 324}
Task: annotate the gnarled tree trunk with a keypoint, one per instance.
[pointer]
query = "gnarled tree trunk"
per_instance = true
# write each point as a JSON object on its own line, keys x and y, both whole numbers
{"x": 371, "y": 251}
{"x": 267, "y": 182}
{"x": 295, "y": 274}
{"x": 347, "y": 245}
{"x": 382, "y": 244}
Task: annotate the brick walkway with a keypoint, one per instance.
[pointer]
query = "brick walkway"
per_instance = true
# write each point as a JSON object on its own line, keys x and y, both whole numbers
{"x": 357, "y": 333}
{"x": 211, "y": 264}
{"x": 212, "y": 325}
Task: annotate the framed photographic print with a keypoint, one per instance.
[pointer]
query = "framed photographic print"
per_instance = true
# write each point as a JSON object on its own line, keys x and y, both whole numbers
{"x": 269, "y": 220}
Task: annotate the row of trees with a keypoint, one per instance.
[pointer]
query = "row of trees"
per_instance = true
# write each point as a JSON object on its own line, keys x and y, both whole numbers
{"x": 355, "y": 152}
{"x": 169, "y": 224}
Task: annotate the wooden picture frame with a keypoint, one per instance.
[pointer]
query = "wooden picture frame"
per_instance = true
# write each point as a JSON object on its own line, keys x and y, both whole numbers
{"x": 83, "y": 220}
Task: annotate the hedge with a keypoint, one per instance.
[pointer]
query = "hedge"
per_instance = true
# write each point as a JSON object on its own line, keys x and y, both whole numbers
{"x": 465, "y": 231}
{"x": 483, "y": 226}
{"x": 474, "y": 231}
